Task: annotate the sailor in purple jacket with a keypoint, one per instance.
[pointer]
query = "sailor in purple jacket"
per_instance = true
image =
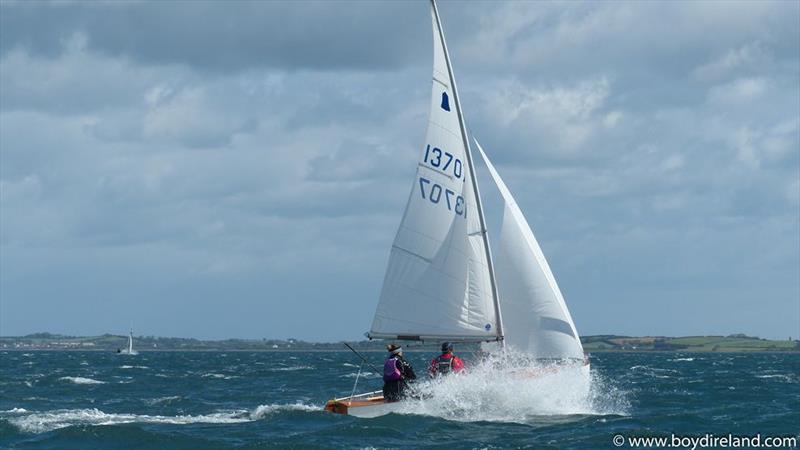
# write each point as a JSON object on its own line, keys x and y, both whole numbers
{"x": 396, "y": 373}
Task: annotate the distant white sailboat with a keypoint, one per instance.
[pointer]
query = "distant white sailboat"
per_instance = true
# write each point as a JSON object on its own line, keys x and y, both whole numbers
{"x": 129, "y": 350}
{"x": 441, "y": 283}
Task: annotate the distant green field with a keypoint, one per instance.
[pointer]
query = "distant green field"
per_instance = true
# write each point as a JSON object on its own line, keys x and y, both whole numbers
{"x": 599, "y": 343}
{"x": 734, "y": 343}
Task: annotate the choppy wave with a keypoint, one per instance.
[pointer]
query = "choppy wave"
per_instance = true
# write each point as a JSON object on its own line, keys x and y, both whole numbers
{"x": 492, "y": 406}
{"x": 219, "y": 375}
{"x": 782, "y": 377}
{"x": 264, "y": 410}
{"x": 42, "y": 422}
{"x": 363, "y": 375}
{"x": 655, "y": 372}
{"x": 82, "y": 380}
{"x": 162, "y": 400}
{"x": 133, "y": 367}
{"x": 290, "y": 369}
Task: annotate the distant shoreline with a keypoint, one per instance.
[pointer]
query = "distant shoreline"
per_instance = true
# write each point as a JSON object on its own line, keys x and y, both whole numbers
{"x": 736, "y": 343}
{"x": 306, "y": 350}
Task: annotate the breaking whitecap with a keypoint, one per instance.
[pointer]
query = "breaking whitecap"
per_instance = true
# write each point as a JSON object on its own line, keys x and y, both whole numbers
{"x": 42, "y": 422}
{"x": 162, "y": 400}
{"x": 290, "y": 369}
{"x": 82, "y": 380}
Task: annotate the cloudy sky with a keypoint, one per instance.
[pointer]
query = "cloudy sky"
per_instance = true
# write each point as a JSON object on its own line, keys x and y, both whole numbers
{"x": 239, "y": 169}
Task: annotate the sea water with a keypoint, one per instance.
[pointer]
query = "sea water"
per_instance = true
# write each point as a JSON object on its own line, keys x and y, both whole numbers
{"x": 210, "y": 400}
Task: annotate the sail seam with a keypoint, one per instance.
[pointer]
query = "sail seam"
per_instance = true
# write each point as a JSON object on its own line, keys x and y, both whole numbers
{"x": 412, "y": 253}
{"x": 444, "y": 128}
{"x": 411, "y": 230}
{"x": 440, "y": 172}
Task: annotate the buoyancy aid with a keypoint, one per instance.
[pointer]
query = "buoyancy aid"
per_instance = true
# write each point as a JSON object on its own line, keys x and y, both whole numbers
{"x": 444, "y": 364}
{"x": 390, "y": 370}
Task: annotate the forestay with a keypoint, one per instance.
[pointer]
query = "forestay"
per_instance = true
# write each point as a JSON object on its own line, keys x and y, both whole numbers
{"x": 535, "y": 318}
{"x": 437, "y": 283}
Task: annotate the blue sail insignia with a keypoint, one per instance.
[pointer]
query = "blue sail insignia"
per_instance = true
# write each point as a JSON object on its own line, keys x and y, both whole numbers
{"x": 445, "y": 101}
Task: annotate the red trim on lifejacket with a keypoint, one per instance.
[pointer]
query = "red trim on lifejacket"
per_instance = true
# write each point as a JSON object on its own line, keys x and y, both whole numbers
{"x": 456, "y": 366}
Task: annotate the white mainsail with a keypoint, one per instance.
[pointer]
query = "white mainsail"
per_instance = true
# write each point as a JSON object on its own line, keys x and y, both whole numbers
{"x": 535, "y": 317}
{"x": 129, "y": 350}
{"x": 438, "y": 282}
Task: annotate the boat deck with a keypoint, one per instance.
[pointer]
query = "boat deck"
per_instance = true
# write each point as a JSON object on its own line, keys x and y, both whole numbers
{"x": 343, "y": 405}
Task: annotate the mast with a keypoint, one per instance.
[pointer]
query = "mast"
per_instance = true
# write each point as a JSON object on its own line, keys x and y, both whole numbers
{"x": 495, "y": 296}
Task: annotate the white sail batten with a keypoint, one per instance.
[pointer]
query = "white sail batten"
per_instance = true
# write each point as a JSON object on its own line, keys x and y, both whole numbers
{"x": 536, "y": 318}
{"x": 437, "y": 283}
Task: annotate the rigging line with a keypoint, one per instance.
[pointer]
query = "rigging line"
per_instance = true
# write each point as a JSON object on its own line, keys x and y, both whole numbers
{"x": 353, "y": 393}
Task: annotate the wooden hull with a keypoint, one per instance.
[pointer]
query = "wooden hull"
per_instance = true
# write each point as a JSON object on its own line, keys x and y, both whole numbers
{"x": 371, "y": 404}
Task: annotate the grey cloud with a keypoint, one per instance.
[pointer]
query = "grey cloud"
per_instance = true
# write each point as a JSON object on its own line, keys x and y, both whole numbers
{"x": 645, "y": 47}
{"x": 225, "y": 36}
{"x": 233, "y": 160}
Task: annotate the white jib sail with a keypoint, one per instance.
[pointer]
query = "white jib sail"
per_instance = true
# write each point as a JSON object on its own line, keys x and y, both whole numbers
{"x": 535, "y": 317}
{"x": 437, "y": 283}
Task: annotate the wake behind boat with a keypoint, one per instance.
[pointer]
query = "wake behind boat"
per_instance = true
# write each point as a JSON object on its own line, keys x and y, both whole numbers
{"x": 441, "y": 282}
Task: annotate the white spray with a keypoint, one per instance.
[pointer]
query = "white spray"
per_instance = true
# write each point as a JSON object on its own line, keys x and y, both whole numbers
{"x": 511, "y": 388}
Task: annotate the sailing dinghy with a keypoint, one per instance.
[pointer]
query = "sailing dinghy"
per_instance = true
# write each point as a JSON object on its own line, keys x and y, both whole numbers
{"x": 129, "y": 350}
{"x": 441, "y": 283}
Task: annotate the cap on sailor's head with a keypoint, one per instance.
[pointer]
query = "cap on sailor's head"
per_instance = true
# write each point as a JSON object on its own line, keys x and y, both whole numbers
{"x": 394, "y": 349}
{"x": 447, "y": 347}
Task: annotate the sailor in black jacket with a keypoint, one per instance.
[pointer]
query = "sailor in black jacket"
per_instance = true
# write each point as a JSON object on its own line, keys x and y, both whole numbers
{"x": 396, "y": 374}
